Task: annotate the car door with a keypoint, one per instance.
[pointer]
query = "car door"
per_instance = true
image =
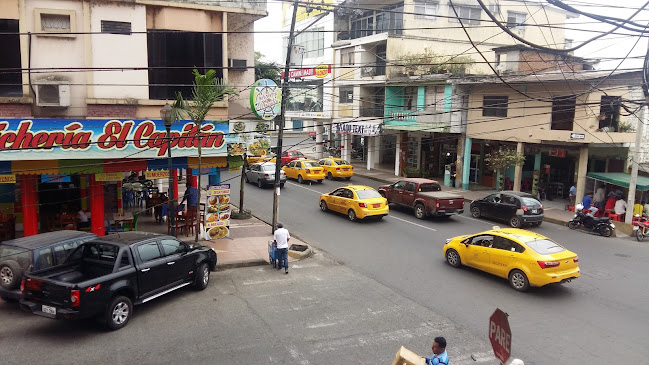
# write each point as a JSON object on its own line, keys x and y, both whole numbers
{"x": 252, "y": 173}
{"x": 476, "y": 252}
{"x": 507, "y": 207}
{"x": 334, "y": 198}
{"x": 488, "y": 204}
{"x": 504, "y": 255}
{"x": 408, "y": 196}
{"x": 288, "y": 169}
{"x": 152, "y": 267}
{"x": 178, "y": 261}
{"x": 396, "y": 192}
{"x": 346, "y": 200}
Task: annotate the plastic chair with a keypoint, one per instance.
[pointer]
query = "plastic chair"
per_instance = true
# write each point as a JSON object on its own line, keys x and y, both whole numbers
{"x": 111, "y": 228}
{"x": 616, "y": 217}
{"x": 132, "y": 226}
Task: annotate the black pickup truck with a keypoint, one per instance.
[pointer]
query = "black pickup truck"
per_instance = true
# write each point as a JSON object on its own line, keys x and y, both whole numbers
{"x": 107, "y": 276}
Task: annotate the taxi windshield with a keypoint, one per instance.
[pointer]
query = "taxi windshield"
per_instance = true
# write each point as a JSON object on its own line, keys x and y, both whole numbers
{"x": 367, "y": 194}
{"x": 341, "y": 162}
{"x": 545, "y": 247}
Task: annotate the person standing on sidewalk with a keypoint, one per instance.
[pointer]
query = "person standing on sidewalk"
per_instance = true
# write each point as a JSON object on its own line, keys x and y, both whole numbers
{"x": 282, "y": 237}
{"x": 439, "y": 353}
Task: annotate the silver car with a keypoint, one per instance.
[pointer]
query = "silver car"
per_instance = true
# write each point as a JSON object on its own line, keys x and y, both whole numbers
{"x": 263, "y": 173}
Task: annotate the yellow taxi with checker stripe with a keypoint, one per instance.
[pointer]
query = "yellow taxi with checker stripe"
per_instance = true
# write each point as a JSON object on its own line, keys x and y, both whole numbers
{"x": 336, "y": 168}
{"x": 356, "y": 201}
{"x": 523, "y": 257}
{"x": 303, "y": 170}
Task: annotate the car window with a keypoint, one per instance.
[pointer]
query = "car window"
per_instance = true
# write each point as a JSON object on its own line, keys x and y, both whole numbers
{"x": 338, "y": 192}
{"x": 148, "y": 251}
{"x": 311, "y": 164}
{"x": 482, "y": 240}
{"x": 367, "y": 194}
{"x": 291, "y": 164}
{"x": 172, "y": 247}
{"x": 341, "y": 162}
{"x": 284, "y": 154}
{"x": 502, "y": 243}
{"x": 545, "y": 247}
{"x": 493, "y": 198}
{"x": 45, "y": 258}
{"x": 101, "y": 252}
{"x": 531, "y": 202}
{"x": 346, "y": 193}
{"x": 59, "y": 253}
{"x": 254, "y": 168}
{"x": 429, "y": 187}
{"x": 328, "y": 163}
{"x": 269, "y": 168}
{"x": 410, "y": 187}
{"x": 299, "y": 154}
{"x": 399, "y": 185}
{"x": 125, "y": 259}
{"x": 508, "y": 199}
{"x": 321, "y": 162}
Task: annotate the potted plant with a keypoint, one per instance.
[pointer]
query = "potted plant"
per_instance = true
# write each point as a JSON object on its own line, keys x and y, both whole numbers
{"x": 411, "y": 172}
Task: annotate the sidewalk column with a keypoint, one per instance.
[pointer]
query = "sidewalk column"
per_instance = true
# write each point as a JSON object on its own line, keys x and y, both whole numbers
{"x": 120, "y": 199}
{"x": 97, "y": 207}
{"x": 370, "y": 150}
{"x": 175, "y": 182}
{"x": 518, "y": 169}
{"x": 537, "y": 173}
{"x": 29, "y": 199}
{"x": 319, "y": 131}
{"x": 466, "y": 163}
{"x": 83, "y": 184}
{"x": 397, "y": 156}
{"x": 582, "y": 170}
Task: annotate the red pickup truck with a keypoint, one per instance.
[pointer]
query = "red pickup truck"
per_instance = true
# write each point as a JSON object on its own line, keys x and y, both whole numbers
{"x": 424, "y": 196}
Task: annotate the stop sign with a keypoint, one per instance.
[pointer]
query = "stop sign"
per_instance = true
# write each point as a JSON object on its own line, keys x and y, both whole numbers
{"x": 500, "y": 335}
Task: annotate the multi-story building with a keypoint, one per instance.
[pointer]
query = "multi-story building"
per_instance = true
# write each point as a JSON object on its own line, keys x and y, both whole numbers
{"x": 83, "y": 82}
{"x": 386, "y": 52}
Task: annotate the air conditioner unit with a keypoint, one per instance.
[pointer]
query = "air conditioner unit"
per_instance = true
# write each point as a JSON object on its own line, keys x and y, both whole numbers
{"x": 52, "y": 93}
{"x": 238, "y": 65}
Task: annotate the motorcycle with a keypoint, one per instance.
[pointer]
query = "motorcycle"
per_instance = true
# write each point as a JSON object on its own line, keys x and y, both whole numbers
{"x": 602, "y": 226}
{"x": 357, "y": 153}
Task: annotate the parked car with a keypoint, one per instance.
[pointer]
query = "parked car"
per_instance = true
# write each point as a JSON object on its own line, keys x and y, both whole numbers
{"x": 291, "y": 155}
{"x": 34, "y": 253}
{"x": 424, "y": 196}
{"x": 107, "y": 276}
{"x": 524, "y": 258}
{"x": 516, "y": 208}
{"x": 302, "y": 170}
{"x": 337, "y": 168}
{"x": 357, "y": 201}
{"x": 263, "y": 174}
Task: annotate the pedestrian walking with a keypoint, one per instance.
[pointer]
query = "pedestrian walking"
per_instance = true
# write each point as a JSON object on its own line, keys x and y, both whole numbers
{"x": 281, "y": 237}
{"x": 439, "y": 353}
{"x": 572, "y": 194}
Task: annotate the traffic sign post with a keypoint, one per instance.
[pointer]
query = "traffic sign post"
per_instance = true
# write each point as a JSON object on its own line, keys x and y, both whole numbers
{"x": 500, "y": 335}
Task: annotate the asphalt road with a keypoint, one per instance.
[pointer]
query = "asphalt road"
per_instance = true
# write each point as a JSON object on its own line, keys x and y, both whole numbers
{"x": 601, "y": 317}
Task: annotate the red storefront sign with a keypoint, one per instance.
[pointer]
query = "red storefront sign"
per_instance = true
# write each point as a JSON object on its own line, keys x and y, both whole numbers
{"x": 321, "y": 71}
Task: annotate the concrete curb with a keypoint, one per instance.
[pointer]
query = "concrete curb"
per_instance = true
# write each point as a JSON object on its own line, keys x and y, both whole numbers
{"x": 241, "y": 263}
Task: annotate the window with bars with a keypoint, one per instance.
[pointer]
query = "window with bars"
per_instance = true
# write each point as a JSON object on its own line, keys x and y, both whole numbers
{"x": 113, "y": 27}
{"x": 426, "y": 9}
{"x": 469, "y": 14}
{"x": 516, "y": 21}
{"x": 346, "y": 95}
{"x": 494, "y": 106}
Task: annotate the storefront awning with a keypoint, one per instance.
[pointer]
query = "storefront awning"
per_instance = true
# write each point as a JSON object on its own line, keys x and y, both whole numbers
{"x": 38, "y": 167}
{"x": 192, "y": 162}
{"x": 620, "y": 179}
{"x": 163, "y": 163}
{"x": 67, "y": 167}
{"x": 122, "y": 165}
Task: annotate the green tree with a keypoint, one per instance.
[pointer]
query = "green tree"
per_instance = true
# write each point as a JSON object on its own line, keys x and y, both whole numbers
{"x": 207, "y": 90}
{"x": 503, "y": 159}
{"x": 266, "y": 70}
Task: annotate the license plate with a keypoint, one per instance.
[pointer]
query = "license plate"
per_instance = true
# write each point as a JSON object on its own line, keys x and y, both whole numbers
{"x": 345, "y": 169}
{"x": 534, "y": 211}
{"x": 450, "y": 202}
{"x": 376, "y": 205}
{"x": 49, "y": 310}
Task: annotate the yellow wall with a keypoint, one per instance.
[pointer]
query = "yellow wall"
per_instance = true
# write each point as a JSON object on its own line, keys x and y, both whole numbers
{"x": 345, "y": 110}
{"x": 183, "y": 19}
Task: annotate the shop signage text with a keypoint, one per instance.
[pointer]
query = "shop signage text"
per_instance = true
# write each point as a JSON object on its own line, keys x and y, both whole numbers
{"x": 359, "y": 129}
{"x": 7, "y": 179}
{"x": 577, "y": 136}
{"x": 265, "y": 99}
{"x": 319, "y": 71}
{"x": 108, "y": 176}
{"x": 105, "y": 138}
{"x": 158, "y": 174}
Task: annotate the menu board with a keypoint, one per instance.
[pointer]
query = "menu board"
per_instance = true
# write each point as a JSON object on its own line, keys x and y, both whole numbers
{"x": 217, "y": 212}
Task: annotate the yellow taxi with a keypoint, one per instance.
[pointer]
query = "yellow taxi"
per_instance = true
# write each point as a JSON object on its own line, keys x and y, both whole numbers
{"x": 357, "y": 201}
{"x": 251, "y": 160}
{"x": 524, "y": 258}
{"x": 337, "y": 167}
{"x": 302, "y": 170}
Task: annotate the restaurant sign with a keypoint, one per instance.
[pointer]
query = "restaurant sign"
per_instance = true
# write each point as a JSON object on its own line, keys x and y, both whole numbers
{"x": 157, "y": 174}
{"x": 7, "y": 179}
{"x": 359, "y": 128}
{"x": 265, "y": 99}
{"x": 319, "y": 71}
{"x": 34, "y": 139}
{"x": 108, "y": 176}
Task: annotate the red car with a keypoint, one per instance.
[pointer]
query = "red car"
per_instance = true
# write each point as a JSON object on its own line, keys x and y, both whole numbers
{"x": 291, "y": 155}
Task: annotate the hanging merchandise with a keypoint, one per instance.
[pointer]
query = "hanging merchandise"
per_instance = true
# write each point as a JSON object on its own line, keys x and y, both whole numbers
{"x": 217, "y": 212}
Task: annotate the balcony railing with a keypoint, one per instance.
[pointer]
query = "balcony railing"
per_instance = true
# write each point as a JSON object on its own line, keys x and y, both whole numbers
{"x": 371, "y": 112}
{"x": 422, "y": 119}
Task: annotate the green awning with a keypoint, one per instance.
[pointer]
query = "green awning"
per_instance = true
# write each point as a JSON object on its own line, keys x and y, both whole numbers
{"x": 235, "y": 161}
{"x": 620, "y": 179}
{"x": 81, "y": 166}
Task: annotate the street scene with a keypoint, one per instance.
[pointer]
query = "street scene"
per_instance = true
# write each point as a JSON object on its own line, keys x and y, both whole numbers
{"x": 324, "y": 182}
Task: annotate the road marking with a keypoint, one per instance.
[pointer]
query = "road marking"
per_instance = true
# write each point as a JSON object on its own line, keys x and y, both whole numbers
{"x": 413, "y": 223}
{"x": 303, "y": 187}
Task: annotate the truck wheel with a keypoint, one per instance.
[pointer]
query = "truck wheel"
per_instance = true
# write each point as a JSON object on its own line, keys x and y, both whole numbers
{"x": 202, "y": 278}
{"x": 10, "y": 274}
{"x": 420, "y": 211}
{"x": 118, "y": 312}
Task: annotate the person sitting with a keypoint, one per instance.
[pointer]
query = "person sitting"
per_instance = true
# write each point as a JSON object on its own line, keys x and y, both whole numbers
{"x": 542, "y": 188}
{"x": 610, "y": 204}
{"x": 587, "y": 203}
{"x": 82, "y": 219}
{"x": 638, "y": 208}
{"x": 620, "y": 207}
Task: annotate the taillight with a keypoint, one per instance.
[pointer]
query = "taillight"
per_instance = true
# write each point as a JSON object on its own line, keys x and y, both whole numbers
{"x": 524, "y": 208}
{"x": 576, "y": 259}
{"x": 75, "y": 298}
{"x": 33, "y": 284}
{"x": 22, "y": 287}
{"x": 437, "y": 204}
{"x": 337, "y": 169}
{"x": 265, "y": 175}
{"x": 541, "y": 206}
{"x": 352, "y": 167}
{"x": 308, "y": 171}
{"x": 362, "y": 205}
{"x": 548, "y": 264}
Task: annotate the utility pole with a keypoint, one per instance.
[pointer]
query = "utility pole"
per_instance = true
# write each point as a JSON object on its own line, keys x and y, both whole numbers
{"x": 282, "y": 118}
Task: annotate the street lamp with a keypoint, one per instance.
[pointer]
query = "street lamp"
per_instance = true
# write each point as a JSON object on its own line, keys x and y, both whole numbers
{"x": 165, "y": 115}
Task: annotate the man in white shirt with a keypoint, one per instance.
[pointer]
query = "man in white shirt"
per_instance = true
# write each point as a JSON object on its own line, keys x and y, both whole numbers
{"x": 82, "y": 219}
{"x": 600, "y": 197}
{"x": 620, "y": 207}
{"x": 282, "y": 237}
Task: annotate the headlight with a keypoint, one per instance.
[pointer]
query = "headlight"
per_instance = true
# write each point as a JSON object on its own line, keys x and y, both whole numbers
{"x": 612, "y": 225}
{"x": 447, "y": 241}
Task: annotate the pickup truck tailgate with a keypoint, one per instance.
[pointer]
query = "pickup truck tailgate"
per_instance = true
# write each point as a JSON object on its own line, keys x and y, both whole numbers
{"x": 38, "y": 290}
{"x": 446, "y": 200}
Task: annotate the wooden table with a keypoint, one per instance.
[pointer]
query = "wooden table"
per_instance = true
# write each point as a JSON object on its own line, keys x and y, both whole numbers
{"x": 126, "y": 218}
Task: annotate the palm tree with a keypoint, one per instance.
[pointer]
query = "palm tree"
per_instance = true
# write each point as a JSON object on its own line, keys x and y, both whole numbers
{"x": 207, "y": 90}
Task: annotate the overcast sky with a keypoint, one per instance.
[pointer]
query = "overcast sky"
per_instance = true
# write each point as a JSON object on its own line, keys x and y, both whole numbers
{"x": 270, "y": 45}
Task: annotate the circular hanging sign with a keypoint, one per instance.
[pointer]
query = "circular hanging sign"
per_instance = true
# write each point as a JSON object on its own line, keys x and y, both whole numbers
{"x": 265, "y": 99}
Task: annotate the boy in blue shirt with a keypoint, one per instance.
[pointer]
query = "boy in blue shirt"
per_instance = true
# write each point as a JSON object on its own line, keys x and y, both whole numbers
{"x": 588, "y": 201}
{"x": 439, "y": 352}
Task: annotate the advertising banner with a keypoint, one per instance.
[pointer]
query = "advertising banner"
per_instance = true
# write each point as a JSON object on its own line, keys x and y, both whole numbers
{"x": 108, "y": 176}
{"x": 35, "y": 139}
{"x": 159, "y": 174}
{"x": 265, "y": 99}
{"x": 7, "y": 179}
{"x": 305, "y": 10}
{"x": 359, "y": 128}
{"x": 250, "y": 137}
{"x": 217, "y": 212}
